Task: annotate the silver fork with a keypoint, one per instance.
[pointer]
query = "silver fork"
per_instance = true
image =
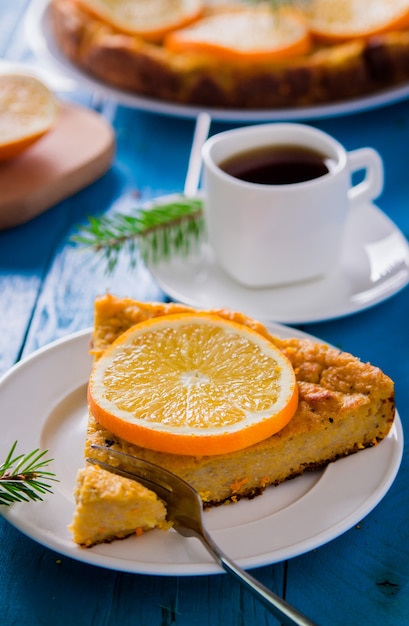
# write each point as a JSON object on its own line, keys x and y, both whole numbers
{"x": 184, "y": 510}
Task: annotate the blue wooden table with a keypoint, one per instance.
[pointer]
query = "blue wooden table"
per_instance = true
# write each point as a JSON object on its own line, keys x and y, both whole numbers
{"x": 47, "y": 292}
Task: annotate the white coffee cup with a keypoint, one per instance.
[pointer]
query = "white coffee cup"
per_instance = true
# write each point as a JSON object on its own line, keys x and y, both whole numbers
{"x": 272, "y": 234}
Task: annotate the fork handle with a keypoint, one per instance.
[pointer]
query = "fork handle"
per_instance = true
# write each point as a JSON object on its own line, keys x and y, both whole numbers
{"x": 276, "y": 605}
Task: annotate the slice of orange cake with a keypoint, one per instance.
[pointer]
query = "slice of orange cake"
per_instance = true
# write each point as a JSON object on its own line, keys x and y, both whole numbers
{"x": 342, "y": 406}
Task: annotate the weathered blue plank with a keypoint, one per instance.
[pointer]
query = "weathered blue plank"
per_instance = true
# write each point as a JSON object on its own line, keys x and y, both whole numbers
{"x": 44, "y": 588}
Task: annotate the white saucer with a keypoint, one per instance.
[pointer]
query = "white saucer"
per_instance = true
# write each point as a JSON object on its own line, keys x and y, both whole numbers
{"x": 374, "y": 266}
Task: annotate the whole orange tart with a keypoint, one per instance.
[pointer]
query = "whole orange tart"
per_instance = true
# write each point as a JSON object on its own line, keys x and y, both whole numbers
{"x": 238, "y": 56}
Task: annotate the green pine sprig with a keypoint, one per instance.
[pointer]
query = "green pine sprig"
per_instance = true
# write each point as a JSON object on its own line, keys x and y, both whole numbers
{"x": 155, "y": 234}
{"x": 22, "y": 477}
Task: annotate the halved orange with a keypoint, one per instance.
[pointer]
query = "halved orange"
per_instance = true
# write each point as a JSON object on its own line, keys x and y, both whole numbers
{"x": 249, "y": 34}
{"x": 149, "y": 19}
{"x": 28, "y": 110}
{"x": 331, "y": 20}
{"x": 193, "y": 384}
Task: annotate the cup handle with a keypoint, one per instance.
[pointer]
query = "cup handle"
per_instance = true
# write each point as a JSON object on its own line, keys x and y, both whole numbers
{"x": 371, "y": 186}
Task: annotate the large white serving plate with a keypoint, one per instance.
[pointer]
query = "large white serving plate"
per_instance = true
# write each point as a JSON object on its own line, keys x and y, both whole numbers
{"x": 42, "y": 41}
{"x": 43, "y": 404}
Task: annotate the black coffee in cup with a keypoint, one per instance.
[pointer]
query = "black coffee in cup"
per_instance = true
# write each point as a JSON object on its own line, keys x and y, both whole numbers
{"x": 277, "y": 165}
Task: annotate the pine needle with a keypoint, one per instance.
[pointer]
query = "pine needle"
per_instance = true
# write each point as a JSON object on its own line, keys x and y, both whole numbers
{"x": 22, "y": 477}
{"x": 155, "y": 234}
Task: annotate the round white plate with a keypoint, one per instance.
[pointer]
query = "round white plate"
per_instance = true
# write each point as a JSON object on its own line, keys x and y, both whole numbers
{"x": 43, "y": 404}
{"x": 374, "y": 266}
{"x": 40, "y": 36}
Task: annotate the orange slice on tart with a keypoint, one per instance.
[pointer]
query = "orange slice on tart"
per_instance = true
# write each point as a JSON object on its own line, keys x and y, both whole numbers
{"x": 193, "y": 384}
{"x": 249, "y": 34}
{"x": 149, "y": 19}
{"x": 28, "y": 110}
{"x": 334, "y": 21}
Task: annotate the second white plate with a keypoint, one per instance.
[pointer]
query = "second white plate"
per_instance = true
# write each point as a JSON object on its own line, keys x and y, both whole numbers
{"x": 285, "y": 521}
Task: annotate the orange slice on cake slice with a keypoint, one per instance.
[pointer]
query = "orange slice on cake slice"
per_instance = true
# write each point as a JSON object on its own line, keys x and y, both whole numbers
{"x": 245, "y": 33}
{"x": 193, "y": 384}
{"x": 332, "y": 21}
{"x": 149, "y": 19}
{"x": 28, "y": 110}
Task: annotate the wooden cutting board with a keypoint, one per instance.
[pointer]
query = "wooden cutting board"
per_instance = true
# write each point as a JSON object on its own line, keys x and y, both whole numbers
{"x": 77, "y": 152}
